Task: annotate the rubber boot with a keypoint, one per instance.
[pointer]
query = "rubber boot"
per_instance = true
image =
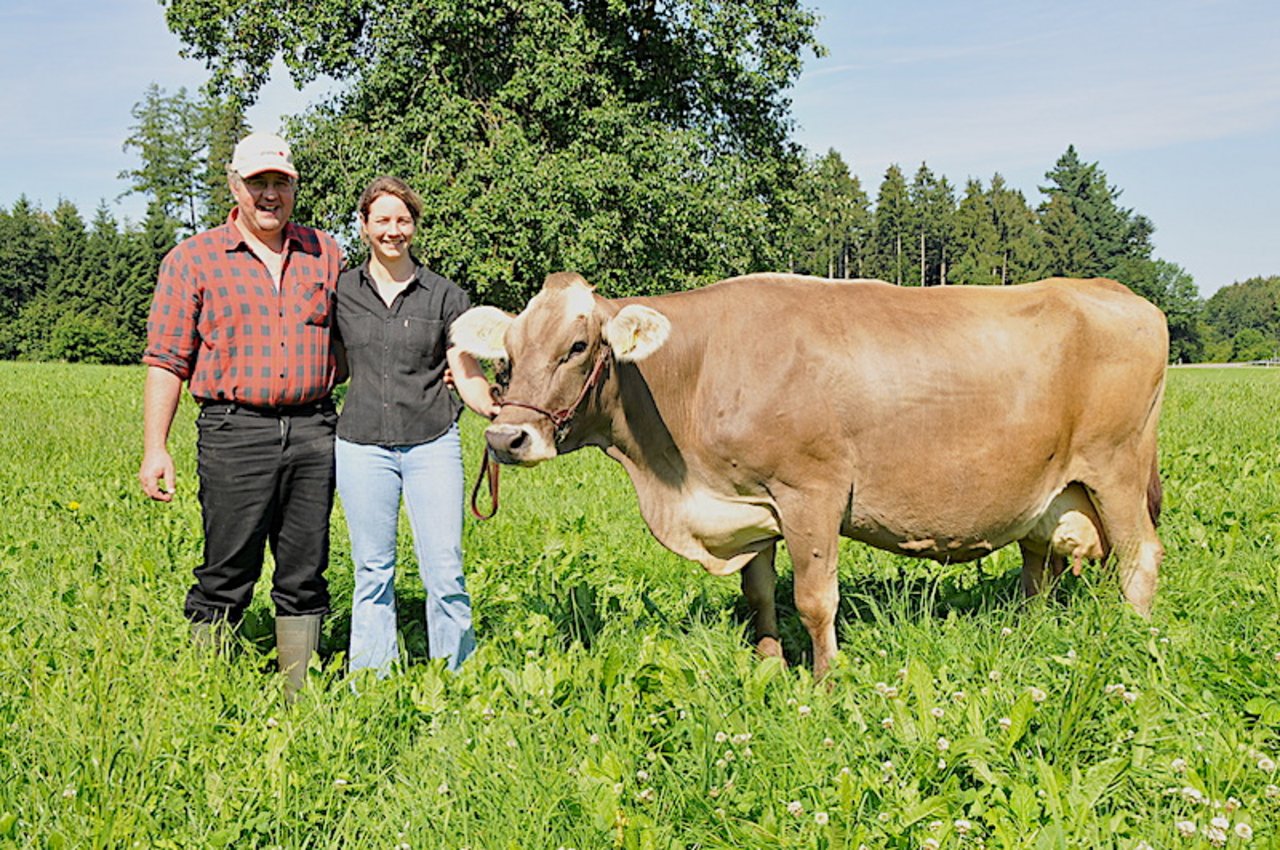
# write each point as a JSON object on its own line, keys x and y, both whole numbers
{"x": 211, "y": 636}
{"x": 296, "y": 639}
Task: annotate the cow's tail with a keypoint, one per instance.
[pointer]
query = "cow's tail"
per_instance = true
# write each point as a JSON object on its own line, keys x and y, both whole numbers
{"x": 1155, "y": 493}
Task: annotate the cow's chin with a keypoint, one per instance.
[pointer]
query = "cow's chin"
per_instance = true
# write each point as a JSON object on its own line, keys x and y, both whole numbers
{"x": 518, "y": 445}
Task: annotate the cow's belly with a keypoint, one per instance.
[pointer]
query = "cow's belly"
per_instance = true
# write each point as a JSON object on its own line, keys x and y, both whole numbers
{"x": 950, "y": 533}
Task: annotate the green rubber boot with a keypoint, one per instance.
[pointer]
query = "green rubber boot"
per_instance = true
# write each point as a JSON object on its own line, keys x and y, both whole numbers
{"x": 297, "y": 638}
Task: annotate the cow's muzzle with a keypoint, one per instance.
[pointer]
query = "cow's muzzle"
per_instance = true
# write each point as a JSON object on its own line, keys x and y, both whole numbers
{"x": 522, "y": 445}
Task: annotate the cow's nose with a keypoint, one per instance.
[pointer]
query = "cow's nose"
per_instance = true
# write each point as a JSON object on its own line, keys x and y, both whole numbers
{"x": 506, "y": 442}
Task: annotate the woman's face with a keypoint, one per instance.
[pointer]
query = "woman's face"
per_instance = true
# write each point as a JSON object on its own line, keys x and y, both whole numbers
{"x": 388, "y": 228}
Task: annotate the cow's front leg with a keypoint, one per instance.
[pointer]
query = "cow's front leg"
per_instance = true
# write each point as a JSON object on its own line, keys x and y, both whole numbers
{"x": 811, "y": 532}
{"x": 759, "y": 579}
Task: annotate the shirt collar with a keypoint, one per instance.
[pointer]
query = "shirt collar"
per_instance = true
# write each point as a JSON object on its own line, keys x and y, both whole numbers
{"x": 234, "y": 237}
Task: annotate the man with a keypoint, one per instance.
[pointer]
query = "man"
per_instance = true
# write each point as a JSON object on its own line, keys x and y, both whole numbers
{"x": 244, "y": 312}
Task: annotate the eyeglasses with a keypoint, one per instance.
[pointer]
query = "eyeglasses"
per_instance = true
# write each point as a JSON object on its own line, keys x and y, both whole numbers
{"x": 261, "y": 183}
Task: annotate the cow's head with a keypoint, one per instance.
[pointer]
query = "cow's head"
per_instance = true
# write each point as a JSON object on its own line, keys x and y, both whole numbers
{"x": 565, "y": 335}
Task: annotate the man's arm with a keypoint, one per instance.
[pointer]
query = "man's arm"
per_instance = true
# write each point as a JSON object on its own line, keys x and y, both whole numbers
{"x": 159, "y": 404}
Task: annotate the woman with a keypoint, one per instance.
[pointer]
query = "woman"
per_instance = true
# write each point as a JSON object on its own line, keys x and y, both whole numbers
{"x": 398, "y": 432}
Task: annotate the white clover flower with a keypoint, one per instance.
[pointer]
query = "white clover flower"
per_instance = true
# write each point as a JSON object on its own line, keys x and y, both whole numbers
{"x": 884, "y": 653}
{"x": 488, "y": 712}
{"x": 642, "y": 776}
{"x": 511, "y": 742}
{"x": 1277, "y": 656}
{"x": 721, "y": 737}
{"x": 821, "y": 818}
{"x": 646, "y": 796}
{"x": 1220, "y": 822}
{"x": 1244, "y": 832}
{"x": 994, "y": 675}
{"x": 1186, "y": 828}
{"x": 1142, "y": 845}
{"x": 1266, "y": 764}
{"x": 69, "y": 793}
{"x": 942, "y": 764}
{"x": 935, "y": 825}
{"x": 1130, "y": 697}
{"x": 618, "y": 788}
{"x": 887, "y": 723}
{"x": 962, "y": 826}
{"x": 902, "y": 673}
{"x": 713, "y": 791}
{"x": 1272, "y": 792}
{"x": 1006, "y": 631}
{"x": 272, "y": 723}
{"x": 792, "y": 701}
{"x": 943, "y": 745}
{"x": 937, "y": 712}
{"x": 728, "y": 755}
{"x": 1037, "y": 695}
{"x": 804, "y": 711}
{"x": 1231, "y": 805}
{"x": 746, "y": 752}
{"x": 339, "y": 783}
{"x": 1004, "y": 723}
{"x": 721, "y": 763}
{"x": 1114, "y": 689}
{"x": 958, "y": 697}
{"x": 594, "y": 738}
{"x": 741, "y": 738}
{"x": 1217, "y": 837}
{"x": 1178, "y": 765}
{"x": 1192, "y": 795}
{"x": 828, "y": 742}
{"x": 887, "y": 767}
{"x": 795, "y": 807}
{"x": 931, "y": 844}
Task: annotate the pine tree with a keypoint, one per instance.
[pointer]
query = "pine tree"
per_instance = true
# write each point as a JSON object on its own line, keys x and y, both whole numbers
{"x": 891, "y": 229}
{"x": 977, "y": 244}
{"x": 1021, "y": 244}
{"x": 1099, "y": 234}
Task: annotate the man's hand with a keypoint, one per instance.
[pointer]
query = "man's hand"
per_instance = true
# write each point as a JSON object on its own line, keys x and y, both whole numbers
{"x": 156, "y": 475}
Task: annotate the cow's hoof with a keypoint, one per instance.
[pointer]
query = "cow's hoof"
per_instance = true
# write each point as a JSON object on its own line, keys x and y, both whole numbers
{"x": 769, "y": 647}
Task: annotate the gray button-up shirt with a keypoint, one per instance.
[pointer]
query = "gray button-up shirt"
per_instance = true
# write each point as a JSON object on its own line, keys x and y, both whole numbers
{"x": 397, "y": 395}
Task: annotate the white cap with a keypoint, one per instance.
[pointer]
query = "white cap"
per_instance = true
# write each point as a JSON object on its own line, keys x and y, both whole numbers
{"x": 259, "y": 152}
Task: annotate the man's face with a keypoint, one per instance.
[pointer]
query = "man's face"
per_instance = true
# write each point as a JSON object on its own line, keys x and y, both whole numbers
{"x": 265, "y": 201}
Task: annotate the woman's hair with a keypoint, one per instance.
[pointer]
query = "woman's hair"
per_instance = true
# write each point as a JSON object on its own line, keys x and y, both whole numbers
{"x": 387, "y": 185}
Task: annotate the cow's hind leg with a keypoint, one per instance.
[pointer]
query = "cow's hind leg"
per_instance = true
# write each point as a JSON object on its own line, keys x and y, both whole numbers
{"x": 1033, "y": 563}
{"x": 1127, "y": 523}
{"x": 759, "y": 580}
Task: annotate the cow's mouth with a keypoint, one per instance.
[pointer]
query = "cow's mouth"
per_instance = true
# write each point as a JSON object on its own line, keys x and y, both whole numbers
{"x": 519, "y": 445}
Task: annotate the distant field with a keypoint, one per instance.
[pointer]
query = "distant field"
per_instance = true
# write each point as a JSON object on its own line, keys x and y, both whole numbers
{"x": 614, "y": 701}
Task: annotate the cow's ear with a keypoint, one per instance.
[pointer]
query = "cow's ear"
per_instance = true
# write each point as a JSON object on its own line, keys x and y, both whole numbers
{"x": 479, "y": 332}
{"x": 636, "y": 332}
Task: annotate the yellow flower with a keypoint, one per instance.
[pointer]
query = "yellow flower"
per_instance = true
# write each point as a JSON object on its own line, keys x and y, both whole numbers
{"x": 73, "y": 506}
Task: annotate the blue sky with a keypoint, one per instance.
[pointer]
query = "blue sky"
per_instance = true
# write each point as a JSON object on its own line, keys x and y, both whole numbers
{"x": 1178, "y": 101}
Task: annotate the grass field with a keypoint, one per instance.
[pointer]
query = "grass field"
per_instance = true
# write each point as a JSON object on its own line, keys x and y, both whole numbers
{"x": 614, "y": 701}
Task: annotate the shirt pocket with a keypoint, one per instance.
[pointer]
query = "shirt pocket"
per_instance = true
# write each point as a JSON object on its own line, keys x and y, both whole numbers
{"x": 421, "y": 341}
{"x": 357, "y": 331}
{"x": 316, "y": 305}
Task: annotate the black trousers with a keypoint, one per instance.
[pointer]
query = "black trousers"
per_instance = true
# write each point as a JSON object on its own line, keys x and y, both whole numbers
{"x": 266, "y": 477}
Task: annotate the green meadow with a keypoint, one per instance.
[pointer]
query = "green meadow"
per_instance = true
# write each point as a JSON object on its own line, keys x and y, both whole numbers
{"x": 615, "y": 701}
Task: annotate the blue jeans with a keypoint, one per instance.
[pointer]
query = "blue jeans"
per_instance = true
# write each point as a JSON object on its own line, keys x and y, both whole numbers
{"x": 371, "y": 480}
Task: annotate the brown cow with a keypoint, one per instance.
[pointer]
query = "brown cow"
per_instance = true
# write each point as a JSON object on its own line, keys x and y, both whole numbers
{"x": 942, "y": 423}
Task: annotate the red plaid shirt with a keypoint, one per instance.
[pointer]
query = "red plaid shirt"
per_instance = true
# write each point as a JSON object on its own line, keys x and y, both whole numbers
{"x": 218, "y": 320}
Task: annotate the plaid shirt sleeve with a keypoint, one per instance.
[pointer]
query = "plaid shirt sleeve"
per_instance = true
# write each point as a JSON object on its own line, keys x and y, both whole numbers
{"x": 172, "y": 336}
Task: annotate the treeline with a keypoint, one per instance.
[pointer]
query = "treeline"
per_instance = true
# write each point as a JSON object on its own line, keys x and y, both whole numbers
{"x": 75, "y": 291}
{"x": 647, "y": 146}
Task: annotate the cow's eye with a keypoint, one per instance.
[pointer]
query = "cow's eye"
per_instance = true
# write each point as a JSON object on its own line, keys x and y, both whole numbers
{"x": 577, "y": 348}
